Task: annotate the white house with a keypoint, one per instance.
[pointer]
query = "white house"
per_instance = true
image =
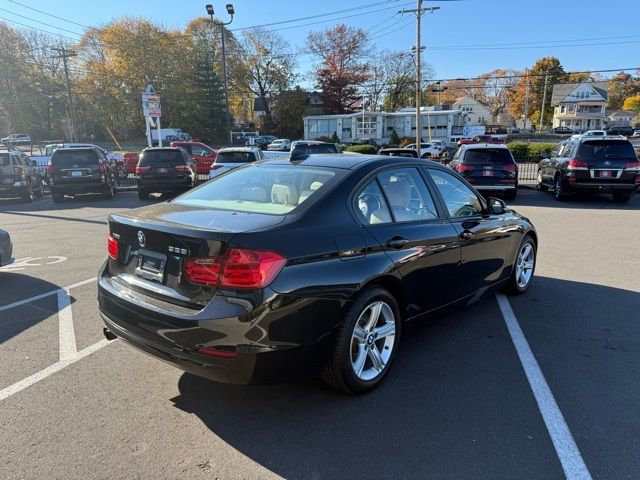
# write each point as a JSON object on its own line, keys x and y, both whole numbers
{"x": 477, "y": 112}
{"x": 361, "y": 127}
{"x": 579, "y": 106}
{"x": 621, "y": 118}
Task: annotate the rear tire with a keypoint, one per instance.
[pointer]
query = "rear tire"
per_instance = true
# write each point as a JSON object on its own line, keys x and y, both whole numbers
{"x": 366, "y": 343}
{"x": 559, "y": 192}
{"x": 539, "y": 185}
{"x": 109, "y": 194}
{"x": 621, "y": 197}
{"x": 524, "y": 267}
{"x": 143, "y": 195}
{"x": 29, "y": 195}
{"x": 510, "y": 194}
{"x": 57, "y": 197}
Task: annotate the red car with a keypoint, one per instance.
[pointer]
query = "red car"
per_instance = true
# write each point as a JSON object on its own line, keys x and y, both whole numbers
{"x": 202, "y": 154}
{"x": 130, "y": 161}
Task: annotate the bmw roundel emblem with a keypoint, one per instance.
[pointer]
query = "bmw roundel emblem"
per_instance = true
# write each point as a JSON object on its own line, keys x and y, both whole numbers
{"x": 141, "y": 238}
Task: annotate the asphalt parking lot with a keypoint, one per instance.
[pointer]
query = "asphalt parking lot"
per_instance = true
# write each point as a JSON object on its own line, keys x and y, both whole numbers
{"x": 463, "y": 401}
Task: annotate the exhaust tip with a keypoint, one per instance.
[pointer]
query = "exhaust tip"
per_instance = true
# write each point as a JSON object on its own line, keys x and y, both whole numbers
{"x": 108, "y": 334}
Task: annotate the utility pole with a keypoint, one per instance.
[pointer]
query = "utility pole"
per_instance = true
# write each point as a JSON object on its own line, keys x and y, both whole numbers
{"x": 63, "y": 53}
{"x": 419, "y": 10}
{"x": 544, "y": 101}
{"x": 526, "y": 101}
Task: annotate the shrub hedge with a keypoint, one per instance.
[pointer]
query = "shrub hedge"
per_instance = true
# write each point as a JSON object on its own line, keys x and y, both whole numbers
{"x": 366, "y": 149}
{"x": 530, "y": 151}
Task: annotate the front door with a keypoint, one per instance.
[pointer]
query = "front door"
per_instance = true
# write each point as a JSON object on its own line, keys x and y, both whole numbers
{"x": 484, "y": 239}
{"x": 398, "y": 209}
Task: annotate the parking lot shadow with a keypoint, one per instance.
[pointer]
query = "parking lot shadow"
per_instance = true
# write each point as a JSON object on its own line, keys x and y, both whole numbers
{"x": 529, "y": 196}
{"x": 121, "y": 200}
{"x": 16, "y": 287}
{"x": 455, "y": 405}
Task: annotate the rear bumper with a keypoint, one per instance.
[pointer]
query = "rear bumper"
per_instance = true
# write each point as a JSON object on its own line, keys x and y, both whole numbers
{"x": 232, "y": 326}
{"x": 71, "y": 189}
{"x": 601, "y": 186}
{"x": 173, "y": 185}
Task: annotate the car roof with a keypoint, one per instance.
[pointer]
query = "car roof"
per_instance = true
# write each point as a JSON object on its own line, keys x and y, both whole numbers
{"x": 492, "y": 146}
{"x": 347, "y": 162}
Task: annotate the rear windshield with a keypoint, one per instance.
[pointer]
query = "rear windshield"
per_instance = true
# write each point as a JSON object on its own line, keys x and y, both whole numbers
{"x": 316, "y": 148}
{"x": 5, "y": 160}
{"x": 71, "y": 158}
{"x": 488, "y": 155}
{"x": 599, "y": 150}
{"x": 169, "y": 158}
{"x": 235, "y": 157}
{"x": 259, "y": 188}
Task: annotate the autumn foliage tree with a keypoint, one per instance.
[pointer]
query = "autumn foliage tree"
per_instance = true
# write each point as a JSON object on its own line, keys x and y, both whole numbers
{"x": 343, "y": 50}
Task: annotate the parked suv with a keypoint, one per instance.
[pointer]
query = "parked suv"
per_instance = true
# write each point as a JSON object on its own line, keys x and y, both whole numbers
{"x": 591, "y": 164}
{"x": 18, "y": 176}
{"x": 233, "y": 157}
{"x": 77, "y": 171}
{"x": 488, "y": 167}
{"x": 16, "y": 139}
{"x": 203, "y": 155}
{"x": 165, "y": 170}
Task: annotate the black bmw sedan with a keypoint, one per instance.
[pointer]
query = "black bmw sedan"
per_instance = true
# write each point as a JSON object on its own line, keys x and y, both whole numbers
{"x": 282, "y": 269}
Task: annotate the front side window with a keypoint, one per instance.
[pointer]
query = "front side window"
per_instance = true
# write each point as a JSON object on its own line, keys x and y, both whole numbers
{"x": 459, "y": 199}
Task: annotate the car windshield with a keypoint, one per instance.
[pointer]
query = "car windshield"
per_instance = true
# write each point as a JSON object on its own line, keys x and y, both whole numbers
{"x": 315, "y": 148}
{"x": 599, "y": 150}
{"x": 235, "y": 157}
{"x": 71, "y": 158}
{"x": 488, "y": 155}
{"x": 268, "y": 189}
{"x": 5, "y": 159}
{"x": 164, "y": 157}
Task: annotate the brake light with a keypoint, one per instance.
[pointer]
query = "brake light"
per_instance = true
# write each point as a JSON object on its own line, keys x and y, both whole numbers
{"x": 462, "y": 168}
{"x": 577, "y": 165}
{"x": 510, "y": 167}
{"x": 49, "y": 168}
{"x": 183, "y": 168}
{"x": 112, "y": 247}
{"x": 240, "y": 268}
{"x": 140, "y": 169}
{"x": 632, "y": 166}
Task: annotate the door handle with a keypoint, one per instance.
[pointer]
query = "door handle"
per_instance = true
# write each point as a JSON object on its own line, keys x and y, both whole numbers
{"x": 397, "y": 242}
{"x": 466, "y": 235}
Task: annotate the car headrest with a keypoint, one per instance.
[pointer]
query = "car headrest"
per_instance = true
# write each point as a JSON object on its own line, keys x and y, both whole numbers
{"x": 284, "y": 194}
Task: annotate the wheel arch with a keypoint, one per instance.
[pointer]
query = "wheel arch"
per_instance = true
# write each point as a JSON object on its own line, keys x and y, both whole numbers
{"x": 394, "y": 286}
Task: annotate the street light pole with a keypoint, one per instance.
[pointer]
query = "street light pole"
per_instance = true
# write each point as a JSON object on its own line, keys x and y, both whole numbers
{"x": 231, "y": 12}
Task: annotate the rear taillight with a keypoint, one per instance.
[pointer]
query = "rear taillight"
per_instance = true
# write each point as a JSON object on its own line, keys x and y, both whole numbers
{"x": 240, "y": 268}
{"x": 632, "y": 167}
{"x": 18, "y": 170}
{"x": 510, "y": 167}
{"x": 49, "y": 169}
{"x": 182, "y": 168}
{"x": 462, "y": 168}
{"x": 577, "y": 165}
{"x": 140, "y": 169}
{"x": 112, "y": 247}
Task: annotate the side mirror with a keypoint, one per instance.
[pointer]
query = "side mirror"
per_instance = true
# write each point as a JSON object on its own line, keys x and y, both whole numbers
{"x": 496, "y": 206}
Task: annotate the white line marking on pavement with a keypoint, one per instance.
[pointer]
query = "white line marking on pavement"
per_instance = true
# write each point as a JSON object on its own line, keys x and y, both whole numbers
{"x": 566, "y": 448}
{"x": 43, "y": 295}
{"x": 66, "y": 331}
{"x": 56, "y": 367}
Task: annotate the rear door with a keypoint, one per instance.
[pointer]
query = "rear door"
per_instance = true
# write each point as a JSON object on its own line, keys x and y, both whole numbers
{"x": 488, "y": 167}
{"x": 483, "y": 238}
{"x": 399, "y": 210}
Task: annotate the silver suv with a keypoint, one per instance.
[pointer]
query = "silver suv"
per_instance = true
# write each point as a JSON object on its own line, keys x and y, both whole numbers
{"x": 18, "y": 176}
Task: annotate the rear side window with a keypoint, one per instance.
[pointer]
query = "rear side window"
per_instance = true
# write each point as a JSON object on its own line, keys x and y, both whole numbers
{"x": 169, "y": 158}
{"x": 235, "y": 157}
{"x": 71, "y": 158}
{"x": 488, "y": 155}
{"x": 372, "y": 206}
{"x": 5, "y": 160}
{"x": 601, "y": 150}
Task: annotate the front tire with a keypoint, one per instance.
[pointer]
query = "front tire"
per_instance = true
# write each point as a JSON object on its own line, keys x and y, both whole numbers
{"x": 366, "y": 343}
{"x": 523, "y": 267}
{"x": 57, "y": 197}
{"x": 109, "y": 194}
{"x": 559, "y": 192}
{"x": 29, "y": 195}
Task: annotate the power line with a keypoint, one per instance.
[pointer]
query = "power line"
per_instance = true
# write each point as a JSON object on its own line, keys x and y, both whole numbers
{"x": 40, "y": 22}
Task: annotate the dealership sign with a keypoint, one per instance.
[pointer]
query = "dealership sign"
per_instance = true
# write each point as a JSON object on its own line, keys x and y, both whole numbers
{"x": 150, "y": 103}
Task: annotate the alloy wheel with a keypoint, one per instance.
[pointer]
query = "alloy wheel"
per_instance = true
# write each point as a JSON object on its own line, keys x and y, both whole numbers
{"x": 524, "y": 265}
{"x": 372, "y": 340}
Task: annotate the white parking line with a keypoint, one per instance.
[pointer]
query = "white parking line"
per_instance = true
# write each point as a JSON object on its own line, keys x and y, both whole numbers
{"x": 565, "y": 446}
{"x": 56, "y": 367}
{"x": 66, "y": 331}
{"x": 44, "y": 295}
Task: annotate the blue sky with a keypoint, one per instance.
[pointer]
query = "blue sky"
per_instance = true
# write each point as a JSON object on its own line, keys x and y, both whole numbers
{"x": 463, "y": 39}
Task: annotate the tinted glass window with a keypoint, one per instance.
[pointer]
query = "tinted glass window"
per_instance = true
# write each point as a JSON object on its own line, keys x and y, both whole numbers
{"x": 274, "y": 190}
{"x": 69, "y": 158}
{"x": 459, "y": 199}
{"x": 5, "y": 161}
{"x": 600, "y": 150}
{"x": 235, "y": 157}
{"x": 400, "y": 153}
{"x": 161, "y": 157}
{"x": 316, "y": 148}
{"x": 488, "y": 155}
{"x": 371, "y": 205}
{"x": 407, "y": 194}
